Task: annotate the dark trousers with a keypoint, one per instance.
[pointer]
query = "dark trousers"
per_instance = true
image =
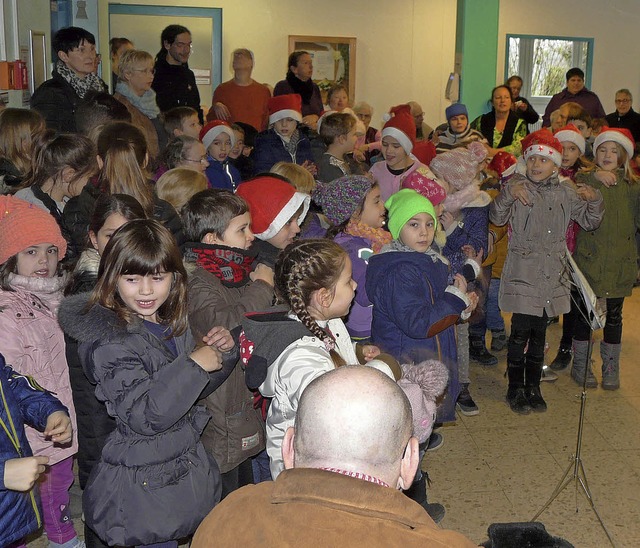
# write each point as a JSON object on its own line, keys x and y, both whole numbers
{"x": 612, "y": 332}
{"x": 527, "y": 329}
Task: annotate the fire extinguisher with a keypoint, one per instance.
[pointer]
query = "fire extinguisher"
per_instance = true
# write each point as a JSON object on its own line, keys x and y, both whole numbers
{"x": 20, "y": 77}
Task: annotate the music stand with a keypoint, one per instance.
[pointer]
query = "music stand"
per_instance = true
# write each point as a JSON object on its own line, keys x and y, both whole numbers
{"x": 595, "y": 317}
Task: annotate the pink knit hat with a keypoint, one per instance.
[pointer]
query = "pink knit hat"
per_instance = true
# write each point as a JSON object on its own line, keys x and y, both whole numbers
{"x": 423, "y": 383}
{"x": 23, "y": 224}
{"x": 420, "y": 181}
{"x": 459, "y": 167}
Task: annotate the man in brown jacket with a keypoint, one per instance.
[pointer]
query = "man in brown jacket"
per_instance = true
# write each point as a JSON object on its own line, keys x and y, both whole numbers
{"x": 346, "y": 460}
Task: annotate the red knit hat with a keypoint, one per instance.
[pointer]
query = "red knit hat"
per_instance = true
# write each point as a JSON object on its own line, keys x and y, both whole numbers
{"x": 542, "y": 143}
{"x": 501, "y": 162}
{"x": 572, "y": 134}
{"x": 401, "y": 126}
{"x": 214, "y": 128}
{"x": 272, "y": 202}
{"x": 421, "y": 181}
{"x": 619, "y": 135}
{"x": 23, "y": 224}
{"x": 285, "y": 106}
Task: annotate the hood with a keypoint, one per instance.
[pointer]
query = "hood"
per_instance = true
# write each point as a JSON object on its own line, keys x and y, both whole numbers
{"x": 94, "y": 324}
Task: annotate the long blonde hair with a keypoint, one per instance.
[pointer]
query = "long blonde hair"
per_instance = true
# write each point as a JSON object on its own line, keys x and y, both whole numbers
{"x": 18, "y": 129}
{"x": 623, "y": 162}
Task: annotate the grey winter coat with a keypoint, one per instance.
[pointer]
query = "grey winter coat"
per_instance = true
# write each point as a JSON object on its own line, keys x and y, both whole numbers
{"x": 154, "y": 481}
{"x": 534, "y": 279}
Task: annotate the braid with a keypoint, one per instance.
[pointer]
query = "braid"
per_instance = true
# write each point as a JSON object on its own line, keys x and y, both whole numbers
{"x": 304, "y": 267}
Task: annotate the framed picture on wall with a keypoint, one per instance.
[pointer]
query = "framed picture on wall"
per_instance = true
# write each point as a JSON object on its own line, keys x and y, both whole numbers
{"x": 334, "y": 61}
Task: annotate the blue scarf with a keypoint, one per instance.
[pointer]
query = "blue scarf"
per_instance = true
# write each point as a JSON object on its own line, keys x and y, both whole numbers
{"x": 145, "y": 104}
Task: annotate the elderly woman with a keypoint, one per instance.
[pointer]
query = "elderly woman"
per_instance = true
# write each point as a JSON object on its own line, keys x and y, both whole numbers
{"x": 298, "y": 80}
{"x": 134, "y": 92}
{"x": 502, "y": 128}
{"x": 72, "y": 78}
{"x": 338, "y": 98}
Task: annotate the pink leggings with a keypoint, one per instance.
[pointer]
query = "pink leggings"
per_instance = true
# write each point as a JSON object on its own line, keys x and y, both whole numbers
{"x": 54, "y": 487}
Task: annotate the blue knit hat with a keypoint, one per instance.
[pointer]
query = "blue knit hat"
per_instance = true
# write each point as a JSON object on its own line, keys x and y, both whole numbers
{"x": 455, "y": 110}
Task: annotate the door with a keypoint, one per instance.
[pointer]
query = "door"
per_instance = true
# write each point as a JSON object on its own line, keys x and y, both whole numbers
{"x": 143, "y": 25}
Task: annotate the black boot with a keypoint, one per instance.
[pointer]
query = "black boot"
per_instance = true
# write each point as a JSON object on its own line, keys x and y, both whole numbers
{"x": 418, "y": 493}
{"x": 533, "y": 373}
{"x": 563, "y": 359}
{"x": 478, "y": 351}
{"x": 516, "y": 396}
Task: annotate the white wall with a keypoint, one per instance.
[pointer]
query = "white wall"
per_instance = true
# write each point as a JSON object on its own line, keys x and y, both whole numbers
{"x": 613, "y": 24}
{"x": 405, "y": 49}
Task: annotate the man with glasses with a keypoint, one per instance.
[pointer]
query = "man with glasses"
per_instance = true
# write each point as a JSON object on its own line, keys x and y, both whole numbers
{"x": 625, "y": 116}
{"x": 174, "y": 82}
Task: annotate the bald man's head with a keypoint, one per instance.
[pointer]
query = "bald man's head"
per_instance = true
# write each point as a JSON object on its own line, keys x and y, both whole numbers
{"x": 355, "y": 418}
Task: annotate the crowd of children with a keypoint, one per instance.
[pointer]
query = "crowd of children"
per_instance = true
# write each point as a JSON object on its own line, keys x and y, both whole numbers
{"x": 177, "y": 307}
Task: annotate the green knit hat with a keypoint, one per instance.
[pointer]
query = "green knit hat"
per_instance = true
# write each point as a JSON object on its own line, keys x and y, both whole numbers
{"x": 403, "y": 205}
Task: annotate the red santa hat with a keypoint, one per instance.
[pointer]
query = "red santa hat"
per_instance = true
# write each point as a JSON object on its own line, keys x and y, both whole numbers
{"x": 572, "y": 134}
{"x": 619, "y": 135}
{"x": 214, "y": 128}
{"x": 542, "y": 143}
{"x": 272, "y": 203}
{"x": 285, "y": 106}
{"x": 502, "y": 162}
{"x": 401, "y": 126}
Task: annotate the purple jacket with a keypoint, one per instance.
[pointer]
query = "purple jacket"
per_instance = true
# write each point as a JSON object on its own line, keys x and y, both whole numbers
{"x": 585, "y": 98}
{"x": 359, "y": 250}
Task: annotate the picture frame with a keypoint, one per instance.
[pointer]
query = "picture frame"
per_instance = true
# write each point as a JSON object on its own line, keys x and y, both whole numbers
{"x": 38, "y": 58}
{"x": 334, "y": 61}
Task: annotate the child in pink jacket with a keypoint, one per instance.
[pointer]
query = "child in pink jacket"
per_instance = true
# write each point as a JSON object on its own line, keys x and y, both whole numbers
{"x": 32, "y": 342}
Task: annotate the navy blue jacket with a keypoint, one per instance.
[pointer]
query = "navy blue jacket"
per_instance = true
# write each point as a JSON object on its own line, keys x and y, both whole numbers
{"x": 270, "y": 150}
{"x": 413, "y": 317}
{"x": 21, "y": 401}
{"x": 222, "y": 175}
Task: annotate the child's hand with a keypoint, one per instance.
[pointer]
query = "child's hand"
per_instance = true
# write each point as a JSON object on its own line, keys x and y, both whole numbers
{"x": 359, "y": 154}
{"x": 473, "y": 297}
{"x": 310, "y": 167}
{"x": 264, "y": 273}
{"x": 447, "y": 219}
{"x": 207, "y": 357}
{"x": 519, "y": 192}
{"x": 607, "y": 178}
{"x": 59, "y": 428}
{"x": 370, "y": 351}
{"x": 21, "y": 474}
{"x": 460, "y": 282}
{"x": 470, "y": 253}
{"x": 219, "y": 337}
{"x": 587, "y": 192}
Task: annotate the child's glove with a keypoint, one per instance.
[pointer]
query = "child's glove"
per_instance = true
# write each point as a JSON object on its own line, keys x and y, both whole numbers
{"x": 255, "y": 367}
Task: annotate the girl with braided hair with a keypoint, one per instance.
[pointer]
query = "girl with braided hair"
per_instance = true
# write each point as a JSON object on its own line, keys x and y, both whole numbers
{"x": 305, "y": 338}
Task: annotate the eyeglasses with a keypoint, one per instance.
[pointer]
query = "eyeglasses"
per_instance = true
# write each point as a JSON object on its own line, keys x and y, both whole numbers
{"x": 202, "y": 160}
{"x": 151, "y": 71}
{"x": 623, "y": 101}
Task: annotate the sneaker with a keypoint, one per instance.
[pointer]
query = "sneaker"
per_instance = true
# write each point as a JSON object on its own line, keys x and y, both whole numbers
{"x": 465, "y": 403}
{"x": 435, "y": 510}
{"x": 548, "y": 375}
{"x": 478, "y": 352}
{"x": 562, "y": 360}
{"x": 435, "y": 441}
{"x": 499, "y": 340}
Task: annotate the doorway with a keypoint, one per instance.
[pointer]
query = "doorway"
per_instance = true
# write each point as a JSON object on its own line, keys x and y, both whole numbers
{"x": 143, "y": 25}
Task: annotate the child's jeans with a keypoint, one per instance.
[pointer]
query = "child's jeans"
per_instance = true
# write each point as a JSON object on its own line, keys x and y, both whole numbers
{"x": 492, "y": 319}
{"x": 54, "y": 492}
{"x": 261, "y": 468}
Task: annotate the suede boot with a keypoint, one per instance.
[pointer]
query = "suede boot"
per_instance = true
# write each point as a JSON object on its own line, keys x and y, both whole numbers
{"x": 580, "y": 367}
{"x": 610, "y": 354}
{"x": 516, "y": 395}
{"x": 533, "y": 374}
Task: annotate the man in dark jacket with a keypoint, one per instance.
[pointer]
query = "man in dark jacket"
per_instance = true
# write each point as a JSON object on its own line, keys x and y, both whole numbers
{"x": 174, "y": 82}
{"x": 72, "y": 78}
{"x": 521, "y": 105}
{"x": 625, "y": 116}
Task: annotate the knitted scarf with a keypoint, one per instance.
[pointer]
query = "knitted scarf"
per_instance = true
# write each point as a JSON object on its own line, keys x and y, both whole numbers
{"x": 569, "y": 172}
{"x": 80, "y": 85}
{"x": 377, "y": 236}
{"x": 145, "y": 103}
{"x": 292, "y": 144}
{"x": 230, "y": 265}
{"x": 304, "y": 89}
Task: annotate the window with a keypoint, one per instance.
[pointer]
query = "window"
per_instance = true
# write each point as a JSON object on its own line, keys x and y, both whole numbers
{"x": 542, "y": 61}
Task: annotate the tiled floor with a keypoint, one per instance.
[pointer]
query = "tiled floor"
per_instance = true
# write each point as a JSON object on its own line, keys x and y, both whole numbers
{"x": 501, "y": 467}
